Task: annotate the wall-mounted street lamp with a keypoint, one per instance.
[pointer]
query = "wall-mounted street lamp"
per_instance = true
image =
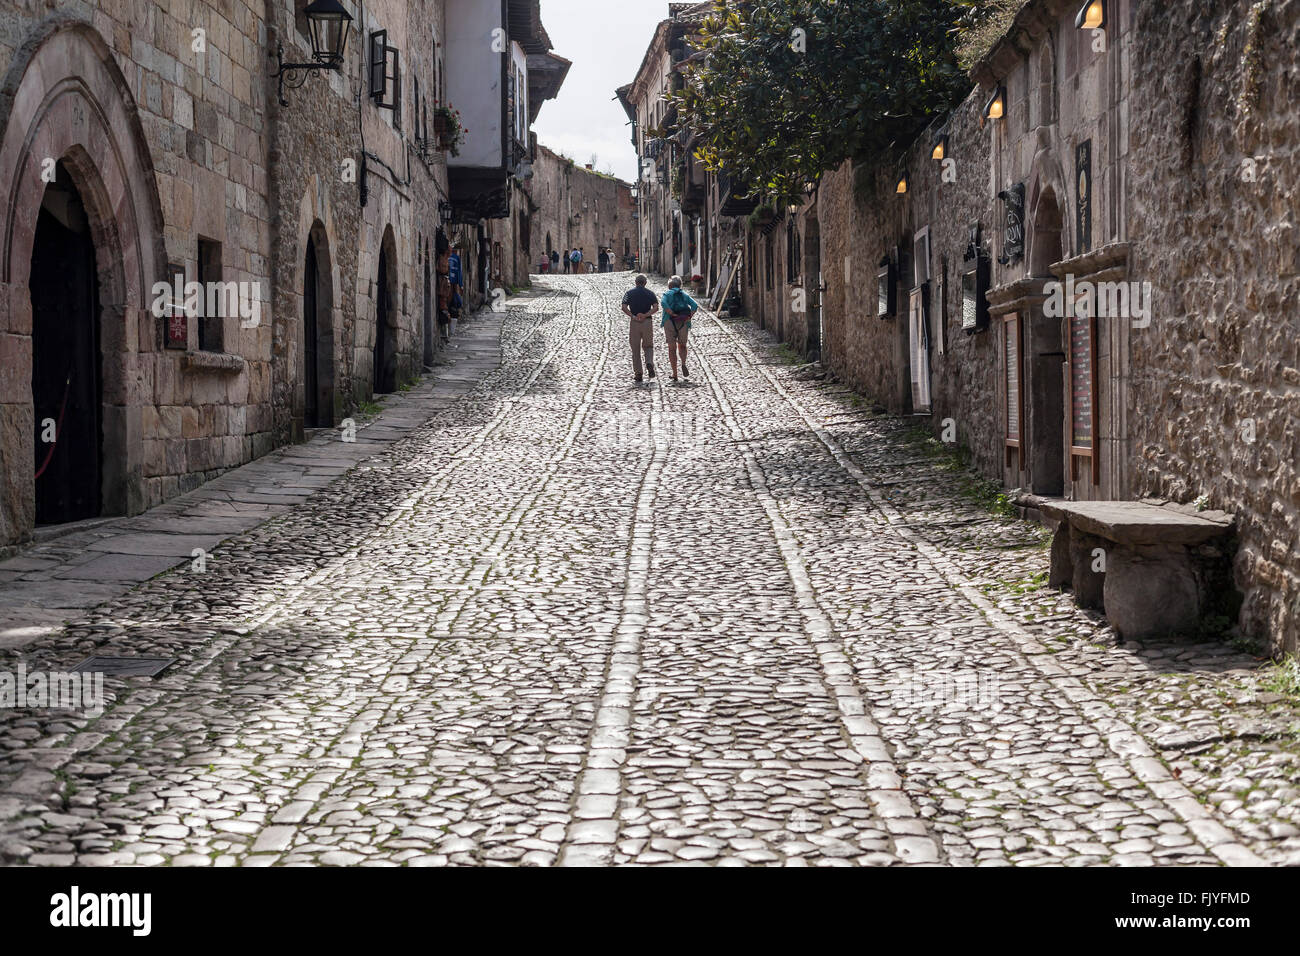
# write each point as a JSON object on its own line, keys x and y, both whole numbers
{"x": 901, "y": 188}
{"x": 329, "y": 24}
{"x": 940, "y": 149}
{"x": 996, "y": 108}
{"x": 1092, "y": 16}
{"x": 445, "y": 211}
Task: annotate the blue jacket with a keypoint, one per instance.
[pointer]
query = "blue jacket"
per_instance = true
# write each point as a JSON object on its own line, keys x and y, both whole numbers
{"x": 675, "y": 300}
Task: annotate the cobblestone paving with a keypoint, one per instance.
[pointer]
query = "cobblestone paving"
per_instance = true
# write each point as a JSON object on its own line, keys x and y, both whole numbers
{"x": 734, "y": 621}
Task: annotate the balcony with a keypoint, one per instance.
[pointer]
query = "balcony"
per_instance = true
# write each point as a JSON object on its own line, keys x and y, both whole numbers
{"x": 733, "y": 193}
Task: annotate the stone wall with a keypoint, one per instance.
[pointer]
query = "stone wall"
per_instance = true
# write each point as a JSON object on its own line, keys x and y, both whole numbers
{"x": 1214, "y": 206}
{"x": 165, "y": 143}
{"x": 578, "y": 207}
{"x": 863, "y": 221}
{"x": 316, "y": 187}
{"x": 1196, "y": 170}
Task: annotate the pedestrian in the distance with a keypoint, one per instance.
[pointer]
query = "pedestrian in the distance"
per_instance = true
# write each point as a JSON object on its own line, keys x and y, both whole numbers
{"x": 444, "y": 290}
{"x": 603, "y": 259}
{"x": 457, "y": 279}
{"x": 679, "y": 309}
{"x": 639, "y": 305}
{"x": 555, "y": 261}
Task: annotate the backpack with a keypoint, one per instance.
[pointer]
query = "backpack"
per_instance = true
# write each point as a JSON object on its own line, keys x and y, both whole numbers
{"x": 673, "y": 301}
{"x": 574, "y": 256}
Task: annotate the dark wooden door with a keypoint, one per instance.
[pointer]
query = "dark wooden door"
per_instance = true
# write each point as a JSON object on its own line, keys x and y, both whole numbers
{"x": 310, "y": 340}
{"x": 428, "y": 314}
{"x": 382, "y": 306}
{"x": 66, "y": 389}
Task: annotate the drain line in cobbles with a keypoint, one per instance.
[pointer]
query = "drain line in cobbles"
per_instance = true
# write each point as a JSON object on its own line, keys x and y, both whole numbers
{"x": 911, "y": 838}
{"x": 1122, "y": 739}
{"x": 593, "y": 832}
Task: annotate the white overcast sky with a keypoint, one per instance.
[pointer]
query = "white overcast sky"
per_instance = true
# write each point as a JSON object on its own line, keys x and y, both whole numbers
{"x": 606, "y": 40}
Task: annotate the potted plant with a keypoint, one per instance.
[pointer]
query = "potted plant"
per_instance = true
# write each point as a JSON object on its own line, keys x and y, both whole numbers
{"x": 448, "y": 129}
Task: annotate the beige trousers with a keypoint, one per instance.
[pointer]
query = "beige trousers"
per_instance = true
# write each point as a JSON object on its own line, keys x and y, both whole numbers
{"x": 641, "y": 336}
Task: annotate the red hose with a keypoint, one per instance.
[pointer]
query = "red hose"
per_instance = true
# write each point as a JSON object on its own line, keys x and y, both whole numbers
{"x": 58, "y": 429}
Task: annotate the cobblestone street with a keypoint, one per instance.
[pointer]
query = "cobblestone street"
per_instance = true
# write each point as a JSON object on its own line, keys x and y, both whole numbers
{"x": 566, "y": 620}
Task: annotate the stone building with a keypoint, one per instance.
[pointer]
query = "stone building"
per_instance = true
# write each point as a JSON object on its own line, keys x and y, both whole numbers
{"x": 576, "y": 206}
{"x": 195, "y": 271}
{"x": 134, "y": 147}
{"x": 488, "y": 178}
{"x": 1086, "y": 273}
{"x": 671, "y": 187}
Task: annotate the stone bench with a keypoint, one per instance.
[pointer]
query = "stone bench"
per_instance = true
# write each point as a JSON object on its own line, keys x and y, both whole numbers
{"x": 1153, "y": 568}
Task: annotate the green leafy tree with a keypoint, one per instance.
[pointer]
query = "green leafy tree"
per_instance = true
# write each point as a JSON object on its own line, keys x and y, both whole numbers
{"x": 783, "y": 90}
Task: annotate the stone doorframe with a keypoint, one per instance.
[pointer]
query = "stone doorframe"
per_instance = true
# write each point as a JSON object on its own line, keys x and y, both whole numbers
{"x": 65, "y": 99}
{"x": 315, "y": 222}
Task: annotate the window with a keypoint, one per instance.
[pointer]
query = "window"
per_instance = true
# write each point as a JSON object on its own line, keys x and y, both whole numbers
{"x": 211, "y": 323}
{"x": 415, "y": 82}
{"x": 768, "y": 266}
{"x": 386, "y": 76}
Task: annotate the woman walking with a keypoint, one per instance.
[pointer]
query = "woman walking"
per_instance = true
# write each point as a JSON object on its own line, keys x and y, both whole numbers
{"x": 679, "y": 309}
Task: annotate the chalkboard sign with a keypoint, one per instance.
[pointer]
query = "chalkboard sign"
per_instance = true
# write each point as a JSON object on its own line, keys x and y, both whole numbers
{"x": 176, "y": 325}
{"x": 1081, "y": 398}
{"x": 1013, "y": 209}
{"x": 1083, "y": 195}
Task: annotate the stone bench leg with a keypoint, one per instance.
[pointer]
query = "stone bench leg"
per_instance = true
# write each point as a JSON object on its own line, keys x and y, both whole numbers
{"x": 1088, "y": 584}
{"x": 1062, "y": 568}
{"x": 1072, "y": 561}
{"x": 1151, "y": 592}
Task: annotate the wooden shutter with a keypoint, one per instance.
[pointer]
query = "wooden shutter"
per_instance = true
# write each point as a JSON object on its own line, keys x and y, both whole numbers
{"x": 1082, "y": 384}
{"x": 1013, "y": 399}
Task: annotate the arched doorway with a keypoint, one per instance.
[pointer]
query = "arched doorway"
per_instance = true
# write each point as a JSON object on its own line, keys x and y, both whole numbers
{"x": 385, "y": 371}
{"x": 1045, "y": 388}
{"x": 80, "y": 239}
{"x": 812, "y": 286}
{"x": 317, "y": 333}
{"x": 67, "y": 379}
{"x": 428, "y": 312}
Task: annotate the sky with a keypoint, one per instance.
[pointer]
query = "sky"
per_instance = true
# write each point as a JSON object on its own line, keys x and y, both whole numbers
{"x": 606, "y": 40}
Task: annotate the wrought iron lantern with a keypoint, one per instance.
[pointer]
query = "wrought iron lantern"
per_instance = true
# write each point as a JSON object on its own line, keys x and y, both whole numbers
{"x": 329, "y": 24}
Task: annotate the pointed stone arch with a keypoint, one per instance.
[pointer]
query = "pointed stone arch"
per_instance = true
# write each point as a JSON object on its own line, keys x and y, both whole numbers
{"x": 315, "y": 226}
{"x": 64, "y": 101}
{"x": 387, "y": 316}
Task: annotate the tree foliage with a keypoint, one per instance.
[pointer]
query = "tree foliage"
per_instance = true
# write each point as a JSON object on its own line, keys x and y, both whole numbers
{"x": 784, "y": 90}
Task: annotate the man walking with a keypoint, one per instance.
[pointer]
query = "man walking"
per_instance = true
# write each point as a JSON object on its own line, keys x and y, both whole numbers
{"x": 457, "y": 279}
{"x": 638, "y": 305}
{"x": 555, "y": 261}
{"x": 679, "y": 309}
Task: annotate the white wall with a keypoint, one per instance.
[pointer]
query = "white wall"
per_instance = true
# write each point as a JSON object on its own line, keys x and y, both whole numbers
{"x": 474, "y": 78}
